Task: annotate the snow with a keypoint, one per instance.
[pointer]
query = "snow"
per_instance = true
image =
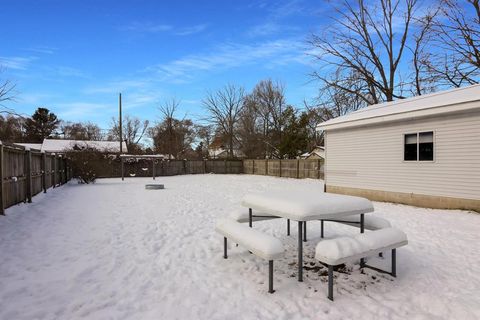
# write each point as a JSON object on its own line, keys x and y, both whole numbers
{"x": 431, "y": 102}
{"x": 114, "y": 250}
{"x": 306, "y": 204}
{"x": 261, "y": 244}
{"x": 62, "y": 145}
{"x": 241, "y": 215}
{"x": 370, "y": 222}
{"x": 341, "y": 249}
{"x": 29, "y": 146}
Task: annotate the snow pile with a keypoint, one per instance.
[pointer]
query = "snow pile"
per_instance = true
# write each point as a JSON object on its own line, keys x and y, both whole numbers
{"x": 306, "y": 204}
{"x": 114, "y": 250}
{"x": 338, "y": 250}
{"x": 263, "y": 245}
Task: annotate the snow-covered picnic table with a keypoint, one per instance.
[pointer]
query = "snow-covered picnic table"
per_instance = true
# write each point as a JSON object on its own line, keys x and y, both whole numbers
{"x": 304, "y": 205}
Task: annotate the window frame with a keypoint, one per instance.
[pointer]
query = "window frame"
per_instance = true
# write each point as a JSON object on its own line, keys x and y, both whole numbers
{"x": 418, "y": 146}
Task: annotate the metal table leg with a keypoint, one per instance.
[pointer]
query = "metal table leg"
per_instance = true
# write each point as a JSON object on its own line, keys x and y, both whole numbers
{"x": 250, "y": 218}
{"x": 305, "y": 231}
{"x": 362, "y": 230}
{"x": 300, "y": 251}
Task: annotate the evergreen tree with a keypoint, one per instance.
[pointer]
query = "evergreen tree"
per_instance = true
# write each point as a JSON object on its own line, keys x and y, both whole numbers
{"x": 41, "y": 125}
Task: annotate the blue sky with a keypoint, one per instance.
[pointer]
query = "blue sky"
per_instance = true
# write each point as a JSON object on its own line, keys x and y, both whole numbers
{"x": 73, "y": 57}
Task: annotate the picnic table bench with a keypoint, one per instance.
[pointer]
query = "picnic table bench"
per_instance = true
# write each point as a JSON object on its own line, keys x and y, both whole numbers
{"x": 340, "y": 250}
{"x": 258, "y": 243}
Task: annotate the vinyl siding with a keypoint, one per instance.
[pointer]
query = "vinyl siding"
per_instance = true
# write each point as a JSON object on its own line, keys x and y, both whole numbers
{"x": 372, "y": 157}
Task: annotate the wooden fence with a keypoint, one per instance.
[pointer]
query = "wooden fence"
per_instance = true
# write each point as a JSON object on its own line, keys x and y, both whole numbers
{"x": 299, "y": 168}
{"x": 302, "y": 168}
{"x": 25, "y": 173}
{"x": 111, "y": 168}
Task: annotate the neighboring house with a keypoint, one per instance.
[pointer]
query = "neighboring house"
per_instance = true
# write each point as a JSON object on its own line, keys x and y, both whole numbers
{"x": 59, "y": 145}
{"x": 316, "y": 153}
{"x": 423, "y": 151}
{"x": 220, "y": 153}
{"x": 37, "y": 146}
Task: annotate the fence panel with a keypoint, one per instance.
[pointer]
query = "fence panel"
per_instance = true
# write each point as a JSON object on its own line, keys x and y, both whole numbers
{"x": 37, "y": 175}
{"x": 287, "y": 168}
{"x": 14, "y": 176}
{"x": 22, "y": 173}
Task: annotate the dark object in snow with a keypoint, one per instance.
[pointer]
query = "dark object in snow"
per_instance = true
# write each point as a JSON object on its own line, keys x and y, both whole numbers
{"x": 154, "y": 186}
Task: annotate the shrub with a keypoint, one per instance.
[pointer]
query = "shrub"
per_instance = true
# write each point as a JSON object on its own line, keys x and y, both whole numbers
{"x": 85, "y": 164}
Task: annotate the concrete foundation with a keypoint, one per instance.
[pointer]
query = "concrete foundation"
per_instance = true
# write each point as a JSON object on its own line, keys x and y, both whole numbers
{"x": 419, "y": 200}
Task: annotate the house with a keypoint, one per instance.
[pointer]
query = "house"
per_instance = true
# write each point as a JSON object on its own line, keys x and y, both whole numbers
{"x": 422, "y": 151}
{"x": 221, "y": 153}
{"x": 317, "y": 153}
{"x": 60, "y": 145}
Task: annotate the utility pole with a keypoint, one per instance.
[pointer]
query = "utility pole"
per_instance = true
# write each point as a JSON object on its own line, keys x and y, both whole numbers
{"x": 120, "y": 120}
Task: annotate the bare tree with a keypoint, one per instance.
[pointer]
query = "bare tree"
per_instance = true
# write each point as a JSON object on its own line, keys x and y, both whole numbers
{"x": 457, "y": 34}
{"x": 7, "y": 94}
{"x": 81, "y": 131}
{"x": 368, "y": 43}
{"x": 268, "y": 99}
{"x": 224, "y": 107}
{"x": 133, "y": 130}
{"x": 167, "y": 110}
{"x": 251, "y": 130}
{"x": 423, "y": 81}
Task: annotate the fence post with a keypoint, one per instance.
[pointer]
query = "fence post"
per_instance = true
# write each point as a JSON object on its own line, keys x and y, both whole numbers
{"x": 253, "y": 166}
{"x": 184, "y": 166}
{"x": 28, "y": 175}
{"x": 153, "y": 168}
{"x": 318, "y": 168}
{"x": 54, "y": 170}
{"x": 280, "y": 168}
{"x": 64, "y": 173}
{"x": 225, "y": 163}
{"x": 44, "y": 170}
{"x": 121, "y": 160}
{"x": 2, "y": 195}
{"x": 204, "y": 165}
{"x": 298, "y": 168}
{"x": 266, "y": 167}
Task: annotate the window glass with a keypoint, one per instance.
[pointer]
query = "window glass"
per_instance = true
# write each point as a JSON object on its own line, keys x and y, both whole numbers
{"x": 425, "y": 147}
{"x": 410, "y": 148}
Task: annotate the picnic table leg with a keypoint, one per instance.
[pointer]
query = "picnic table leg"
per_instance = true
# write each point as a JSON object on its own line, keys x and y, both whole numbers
{"x": 250, "y": 218}
{"x": 362, "y": 230}
{"x": 330, "y": 282}
{"x": 394, "y": 262}
{"x": 300, "y": 252}
{"x": 270, "y": 277}
{"x": 305, "y": 231}
{"x": 225, "y": 248}
{"x": 288, "y": 227}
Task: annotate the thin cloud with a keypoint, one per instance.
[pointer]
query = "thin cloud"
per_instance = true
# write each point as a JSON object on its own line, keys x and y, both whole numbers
{"x": 146, "y": 27}
{"x": 82, "y": 109}
{"x": 42, "y": 49}
{"x": 149, "y": 27}
{"x": 191, "y": 30}
{"x": 16, "y": 63}
{"x": 117, "y": 86}
{"x": 228, "y": 56}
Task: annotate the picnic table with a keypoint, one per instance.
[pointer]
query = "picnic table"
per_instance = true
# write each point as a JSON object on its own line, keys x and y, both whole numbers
{"x": 306, "y": 205}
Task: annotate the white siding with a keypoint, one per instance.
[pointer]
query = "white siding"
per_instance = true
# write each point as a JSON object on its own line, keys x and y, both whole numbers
{"x": 372, "y": 157}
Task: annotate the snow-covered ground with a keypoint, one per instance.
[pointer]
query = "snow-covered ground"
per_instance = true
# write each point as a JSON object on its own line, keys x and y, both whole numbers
{"x": 114, "y": 250}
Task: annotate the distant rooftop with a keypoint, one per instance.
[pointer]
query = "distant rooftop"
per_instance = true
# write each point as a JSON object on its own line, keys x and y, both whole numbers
{"x": 60, "y": 145}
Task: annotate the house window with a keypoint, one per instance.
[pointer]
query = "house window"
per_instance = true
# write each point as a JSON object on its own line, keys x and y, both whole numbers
{"x": 418, "y": 146}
